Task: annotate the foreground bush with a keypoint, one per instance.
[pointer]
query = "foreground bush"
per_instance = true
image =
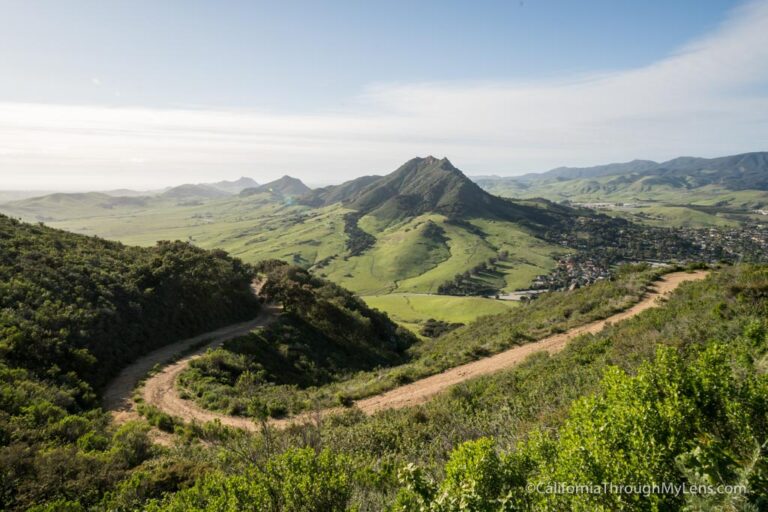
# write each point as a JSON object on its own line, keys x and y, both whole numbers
{"x": 703, "y": 423}
{"x": 299, "y": 480}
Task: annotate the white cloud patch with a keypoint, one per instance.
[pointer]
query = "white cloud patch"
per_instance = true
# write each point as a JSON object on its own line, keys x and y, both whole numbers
{"x": 709, "y": 98}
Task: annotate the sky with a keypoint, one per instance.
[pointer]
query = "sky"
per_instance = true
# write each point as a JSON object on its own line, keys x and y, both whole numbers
{"x": 144, "y": 94}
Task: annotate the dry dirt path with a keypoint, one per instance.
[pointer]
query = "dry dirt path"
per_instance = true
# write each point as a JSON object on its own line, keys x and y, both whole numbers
{"x": 118, "y": 397}
{"x": 160, "y": 390}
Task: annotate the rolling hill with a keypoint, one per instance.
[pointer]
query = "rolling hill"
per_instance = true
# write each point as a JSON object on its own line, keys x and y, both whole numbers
{"x": 59, "y": 206}
{"x": 333, "y": 194}
{"x": 283, "y": 187}
{"x": 194, "y": 192}
{"x": 235, "y": 186}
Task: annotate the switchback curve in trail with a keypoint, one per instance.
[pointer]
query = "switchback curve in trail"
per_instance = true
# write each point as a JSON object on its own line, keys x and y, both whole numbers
{"x": 160, "y": 389}
{"x": 118, "y": 396}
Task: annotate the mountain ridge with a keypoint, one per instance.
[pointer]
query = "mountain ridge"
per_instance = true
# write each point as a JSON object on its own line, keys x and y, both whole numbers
{"x": 427, "y": 185}
{"x": 190, "y": 191}
{"x": 735, "y": 172}
{"x": 234, "y": 186}
{"x": 284, "y": 186}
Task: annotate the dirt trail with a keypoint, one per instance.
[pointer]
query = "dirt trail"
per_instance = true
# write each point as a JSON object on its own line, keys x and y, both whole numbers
{"x": 118, "y": 395}
{"x": 160, "y": 390}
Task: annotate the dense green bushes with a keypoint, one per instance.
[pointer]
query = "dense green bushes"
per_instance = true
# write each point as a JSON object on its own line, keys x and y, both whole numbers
{"x": 325, "y": 334}
{"x": 73, "y": 311}
{"x": 68, "y": 301}
{"x": 297, "y": 481}
{"x": 703, "y": 423}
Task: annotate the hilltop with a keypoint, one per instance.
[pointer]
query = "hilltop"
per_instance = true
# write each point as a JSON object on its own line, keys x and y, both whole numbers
{"x": 194, "y": 192}
{"x": 236, "y": 186}
{"x": 333, "y": 194}
{"x": 286, "y": 186}
{"x": 416, "y": 228}
{"x": 427, "y": 185}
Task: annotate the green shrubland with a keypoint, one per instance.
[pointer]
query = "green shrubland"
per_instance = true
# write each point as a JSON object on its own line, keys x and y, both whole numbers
{"x": 324, "y": 334}
{"x": 73, "y": 311}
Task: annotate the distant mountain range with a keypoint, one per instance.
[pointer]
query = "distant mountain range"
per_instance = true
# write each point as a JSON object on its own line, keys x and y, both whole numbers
{"x": 747, "y": 171}
{"x": 236, "y": 186}
{"x": 210, "y": 190}
{"x": 194, "y": 192}
{"x": 685, "y": 191}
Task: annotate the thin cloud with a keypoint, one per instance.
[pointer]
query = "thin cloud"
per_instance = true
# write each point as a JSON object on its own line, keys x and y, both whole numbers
{"x": 708, "y": 98}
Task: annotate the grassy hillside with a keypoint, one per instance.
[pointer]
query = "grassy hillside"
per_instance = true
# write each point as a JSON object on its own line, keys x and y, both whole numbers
{"x": 692, "y": 412}
{"x": 423, "y": 252}
{"x": 662, "y": 422}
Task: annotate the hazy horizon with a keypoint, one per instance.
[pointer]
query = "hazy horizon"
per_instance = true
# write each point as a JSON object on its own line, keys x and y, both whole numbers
{"x": 311, "y": 184}
{"x": 329, "y": 93}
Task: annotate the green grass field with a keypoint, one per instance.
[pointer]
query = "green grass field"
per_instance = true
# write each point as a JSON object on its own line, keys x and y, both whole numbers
{"x": 410, "y": 310}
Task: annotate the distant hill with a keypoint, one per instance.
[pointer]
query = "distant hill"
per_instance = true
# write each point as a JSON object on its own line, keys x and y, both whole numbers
{"x": 285, "y": 186}
{"x": 61, "y": 205}
{"x": 7, "y": 196}
{"x": 430, "y": 185}
{"x": 747, "y": 171}
{"x": 415, "y": 229}
{"x": 419, "y": 186}
{"x": 127, "y": 192}
{"x": 333, "y": 194}
{"x": 189, "y": 191}
{"x": 593, "y": 172}
{"x": 234, "y": 187}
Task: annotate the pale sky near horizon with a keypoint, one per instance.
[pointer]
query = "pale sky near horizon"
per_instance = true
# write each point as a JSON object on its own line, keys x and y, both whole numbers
{"x": 145, "y": 94}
